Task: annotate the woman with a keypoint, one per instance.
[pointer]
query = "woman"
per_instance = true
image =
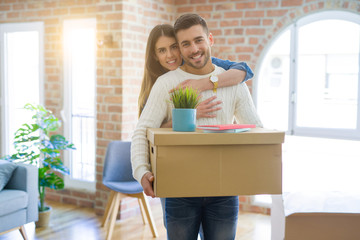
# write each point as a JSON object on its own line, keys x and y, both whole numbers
{"x": 163, "y": 55}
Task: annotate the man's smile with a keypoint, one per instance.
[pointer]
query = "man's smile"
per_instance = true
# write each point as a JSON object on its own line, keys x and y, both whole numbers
{"x": 196, "y": 56}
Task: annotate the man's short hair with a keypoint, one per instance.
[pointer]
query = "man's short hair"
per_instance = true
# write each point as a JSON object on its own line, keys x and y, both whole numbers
{"x": 188, "y": 20}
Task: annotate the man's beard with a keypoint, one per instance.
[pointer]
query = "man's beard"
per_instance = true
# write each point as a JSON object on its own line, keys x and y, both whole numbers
{"x": 207, "y": 57}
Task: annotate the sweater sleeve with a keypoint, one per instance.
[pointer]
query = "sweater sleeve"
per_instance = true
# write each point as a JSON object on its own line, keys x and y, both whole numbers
{"x": 151, "y": 117}
{"x": 245, "y": 111}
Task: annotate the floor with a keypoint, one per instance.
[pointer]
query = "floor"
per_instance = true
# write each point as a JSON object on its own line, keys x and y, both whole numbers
{"x": 308, "y": 164}
{"x": 69, "y": 222}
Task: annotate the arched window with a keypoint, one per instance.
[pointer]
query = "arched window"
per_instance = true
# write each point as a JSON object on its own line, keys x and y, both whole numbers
{"x": 309, "y": 79}
{"x": 308, "y": 85}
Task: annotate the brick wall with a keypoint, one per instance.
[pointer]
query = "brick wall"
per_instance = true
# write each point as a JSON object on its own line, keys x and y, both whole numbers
{"x": 242, "y": 30}
{"x": 52, "y": 13}
{"x": 120, "y": 70}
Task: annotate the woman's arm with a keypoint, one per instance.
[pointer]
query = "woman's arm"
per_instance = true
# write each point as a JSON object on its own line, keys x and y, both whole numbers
{"x": 236, "y": 73}
{"x": 227, "y": 65}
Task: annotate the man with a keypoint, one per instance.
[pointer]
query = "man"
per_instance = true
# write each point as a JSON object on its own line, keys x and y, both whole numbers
{"x": 218, "y": 215}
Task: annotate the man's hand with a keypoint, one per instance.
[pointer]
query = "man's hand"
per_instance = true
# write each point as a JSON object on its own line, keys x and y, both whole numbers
{"x": 146, "y": 183}
{"x": 207, "y": 108}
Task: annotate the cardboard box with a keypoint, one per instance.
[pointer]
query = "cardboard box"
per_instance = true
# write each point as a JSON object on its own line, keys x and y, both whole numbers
{"x": 194, "y": 164}
{"x": 323, "y": 215}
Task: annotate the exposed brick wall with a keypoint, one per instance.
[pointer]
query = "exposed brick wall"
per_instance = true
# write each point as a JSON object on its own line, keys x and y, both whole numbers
{"x": 243, "y": 30}
{"x": 120, "y": 70}
{"x": 52, "y": 13}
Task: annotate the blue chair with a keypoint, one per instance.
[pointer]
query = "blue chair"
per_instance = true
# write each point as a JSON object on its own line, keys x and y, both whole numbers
{"x": 117, "y": 175}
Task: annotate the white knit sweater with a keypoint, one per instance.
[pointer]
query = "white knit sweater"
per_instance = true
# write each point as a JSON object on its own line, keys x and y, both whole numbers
{"x": 236, "y": 102}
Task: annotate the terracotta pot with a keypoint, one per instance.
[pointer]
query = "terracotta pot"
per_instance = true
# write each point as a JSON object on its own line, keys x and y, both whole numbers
{"x": 44, "y": 218}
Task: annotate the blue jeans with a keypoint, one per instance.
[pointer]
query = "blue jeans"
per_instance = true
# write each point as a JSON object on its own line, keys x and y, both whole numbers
{"x": 162, "y": 200}
{"x": 218, "y": 216}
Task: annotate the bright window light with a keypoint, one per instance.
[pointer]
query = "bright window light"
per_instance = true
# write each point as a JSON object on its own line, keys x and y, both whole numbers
{"x": 21, "y": 76}
{"x": 328, "y": 70}
{"x": 309, "y": 86}
{"x": 274, "y": 87}
{"x": 80, "y": 74}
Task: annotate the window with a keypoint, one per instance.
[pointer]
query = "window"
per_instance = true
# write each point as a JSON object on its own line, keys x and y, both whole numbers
{"x": 309, "y": 86}
{"x": 273, "y": 91}
{"x": 310, "y": 78}
{"x": 327, "y": 75}
{"x": 80, "y": 102}
{"x": 21, "y": 48}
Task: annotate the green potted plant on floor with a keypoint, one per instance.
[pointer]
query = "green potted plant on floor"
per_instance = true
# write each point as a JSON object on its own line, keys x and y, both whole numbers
{"x": 185, "y": 102}
{"x": 35, "y": 144}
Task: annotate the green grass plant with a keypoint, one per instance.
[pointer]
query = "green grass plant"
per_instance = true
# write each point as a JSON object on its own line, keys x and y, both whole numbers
{"x": 185, "y": 98}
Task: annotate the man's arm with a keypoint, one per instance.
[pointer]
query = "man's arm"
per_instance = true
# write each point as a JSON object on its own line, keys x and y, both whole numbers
{"x": 152, "y": 116}
{"x": 245, "y": 111}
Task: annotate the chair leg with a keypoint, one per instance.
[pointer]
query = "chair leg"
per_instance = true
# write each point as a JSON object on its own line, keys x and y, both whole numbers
{"x": 23, "y": 232}
{"x": 113, "y": 215}
{"x": 149, "y": 215}
{"x": 109, "y": 207}
{"x": 142, "y": 211}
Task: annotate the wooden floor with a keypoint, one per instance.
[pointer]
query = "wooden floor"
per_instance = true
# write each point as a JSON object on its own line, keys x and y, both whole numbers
{"x": 69, "y": 222}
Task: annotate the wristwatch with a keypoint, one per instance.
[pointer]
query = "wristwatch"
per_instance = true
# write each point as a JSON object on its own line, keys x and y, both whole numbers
{"x": 214, "y": 79}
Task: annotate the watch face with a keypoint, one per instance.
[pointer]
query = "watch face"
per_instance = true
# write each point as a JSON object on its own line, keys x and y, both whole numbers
{"x": 214, "y": 78}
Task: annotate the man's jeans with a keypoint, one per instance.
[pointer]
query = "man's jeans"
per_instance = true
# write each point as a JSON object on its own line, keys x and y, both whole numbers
{"x": 218, "y": 216}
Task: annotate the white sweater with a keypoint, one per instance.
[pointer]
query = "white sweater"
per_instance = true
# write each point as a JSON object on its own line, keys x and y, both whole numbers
{"x": 236, "y": 102}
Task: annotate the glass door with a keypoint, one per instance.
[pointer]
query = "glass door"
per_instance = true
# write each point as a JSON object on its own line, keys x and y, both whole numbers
{"x": 21, "y": 47}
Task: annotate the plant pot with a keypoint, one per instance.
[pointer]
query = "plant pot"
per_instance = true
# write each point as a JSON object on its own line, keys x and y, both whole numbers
{"x": 184, "y": 119}
{"x": 44, "y": 218}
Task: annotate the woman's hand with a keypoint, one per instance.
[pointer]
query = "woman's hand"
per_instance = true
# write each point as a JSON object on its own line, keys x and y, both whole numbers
{"x": 199, "y": 84}
{"x": 207, "y": 108}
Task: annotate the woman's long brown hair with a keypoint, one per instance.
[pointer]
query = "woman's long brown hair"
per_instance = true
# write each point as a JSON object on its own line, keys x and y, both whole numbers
{"x": 152, "y": 69}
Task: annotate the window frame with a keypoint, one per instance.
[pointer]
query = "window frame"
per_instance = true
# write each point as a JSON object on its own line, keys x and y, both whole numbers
{"x": 66, "y": 112}
{"x": 339, "y": 133}
{"x": 293, "y": 129}
{"x": 4, "y": 98}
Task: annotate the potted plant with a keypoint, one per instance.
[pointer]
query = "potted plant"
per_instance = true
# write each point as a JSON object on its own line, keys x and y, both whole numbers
{"x": 34, "y": 144}
{"x": 185, "y": 101}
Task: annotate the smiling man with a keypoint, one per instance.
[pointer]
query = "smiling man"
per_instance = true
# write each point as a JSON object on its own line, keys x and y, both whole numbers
{"x": 218, "y": 215}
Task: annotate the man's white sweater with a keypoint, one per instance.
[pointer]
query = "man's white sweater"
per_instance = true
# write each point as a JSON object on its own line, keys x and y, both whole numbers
{"x": 236, "y": 102}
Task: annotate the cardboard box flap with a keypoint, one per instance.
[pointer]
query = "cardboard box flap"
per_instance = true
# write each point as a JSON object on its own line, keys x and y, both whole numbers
{"x": 166, "y": 136}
